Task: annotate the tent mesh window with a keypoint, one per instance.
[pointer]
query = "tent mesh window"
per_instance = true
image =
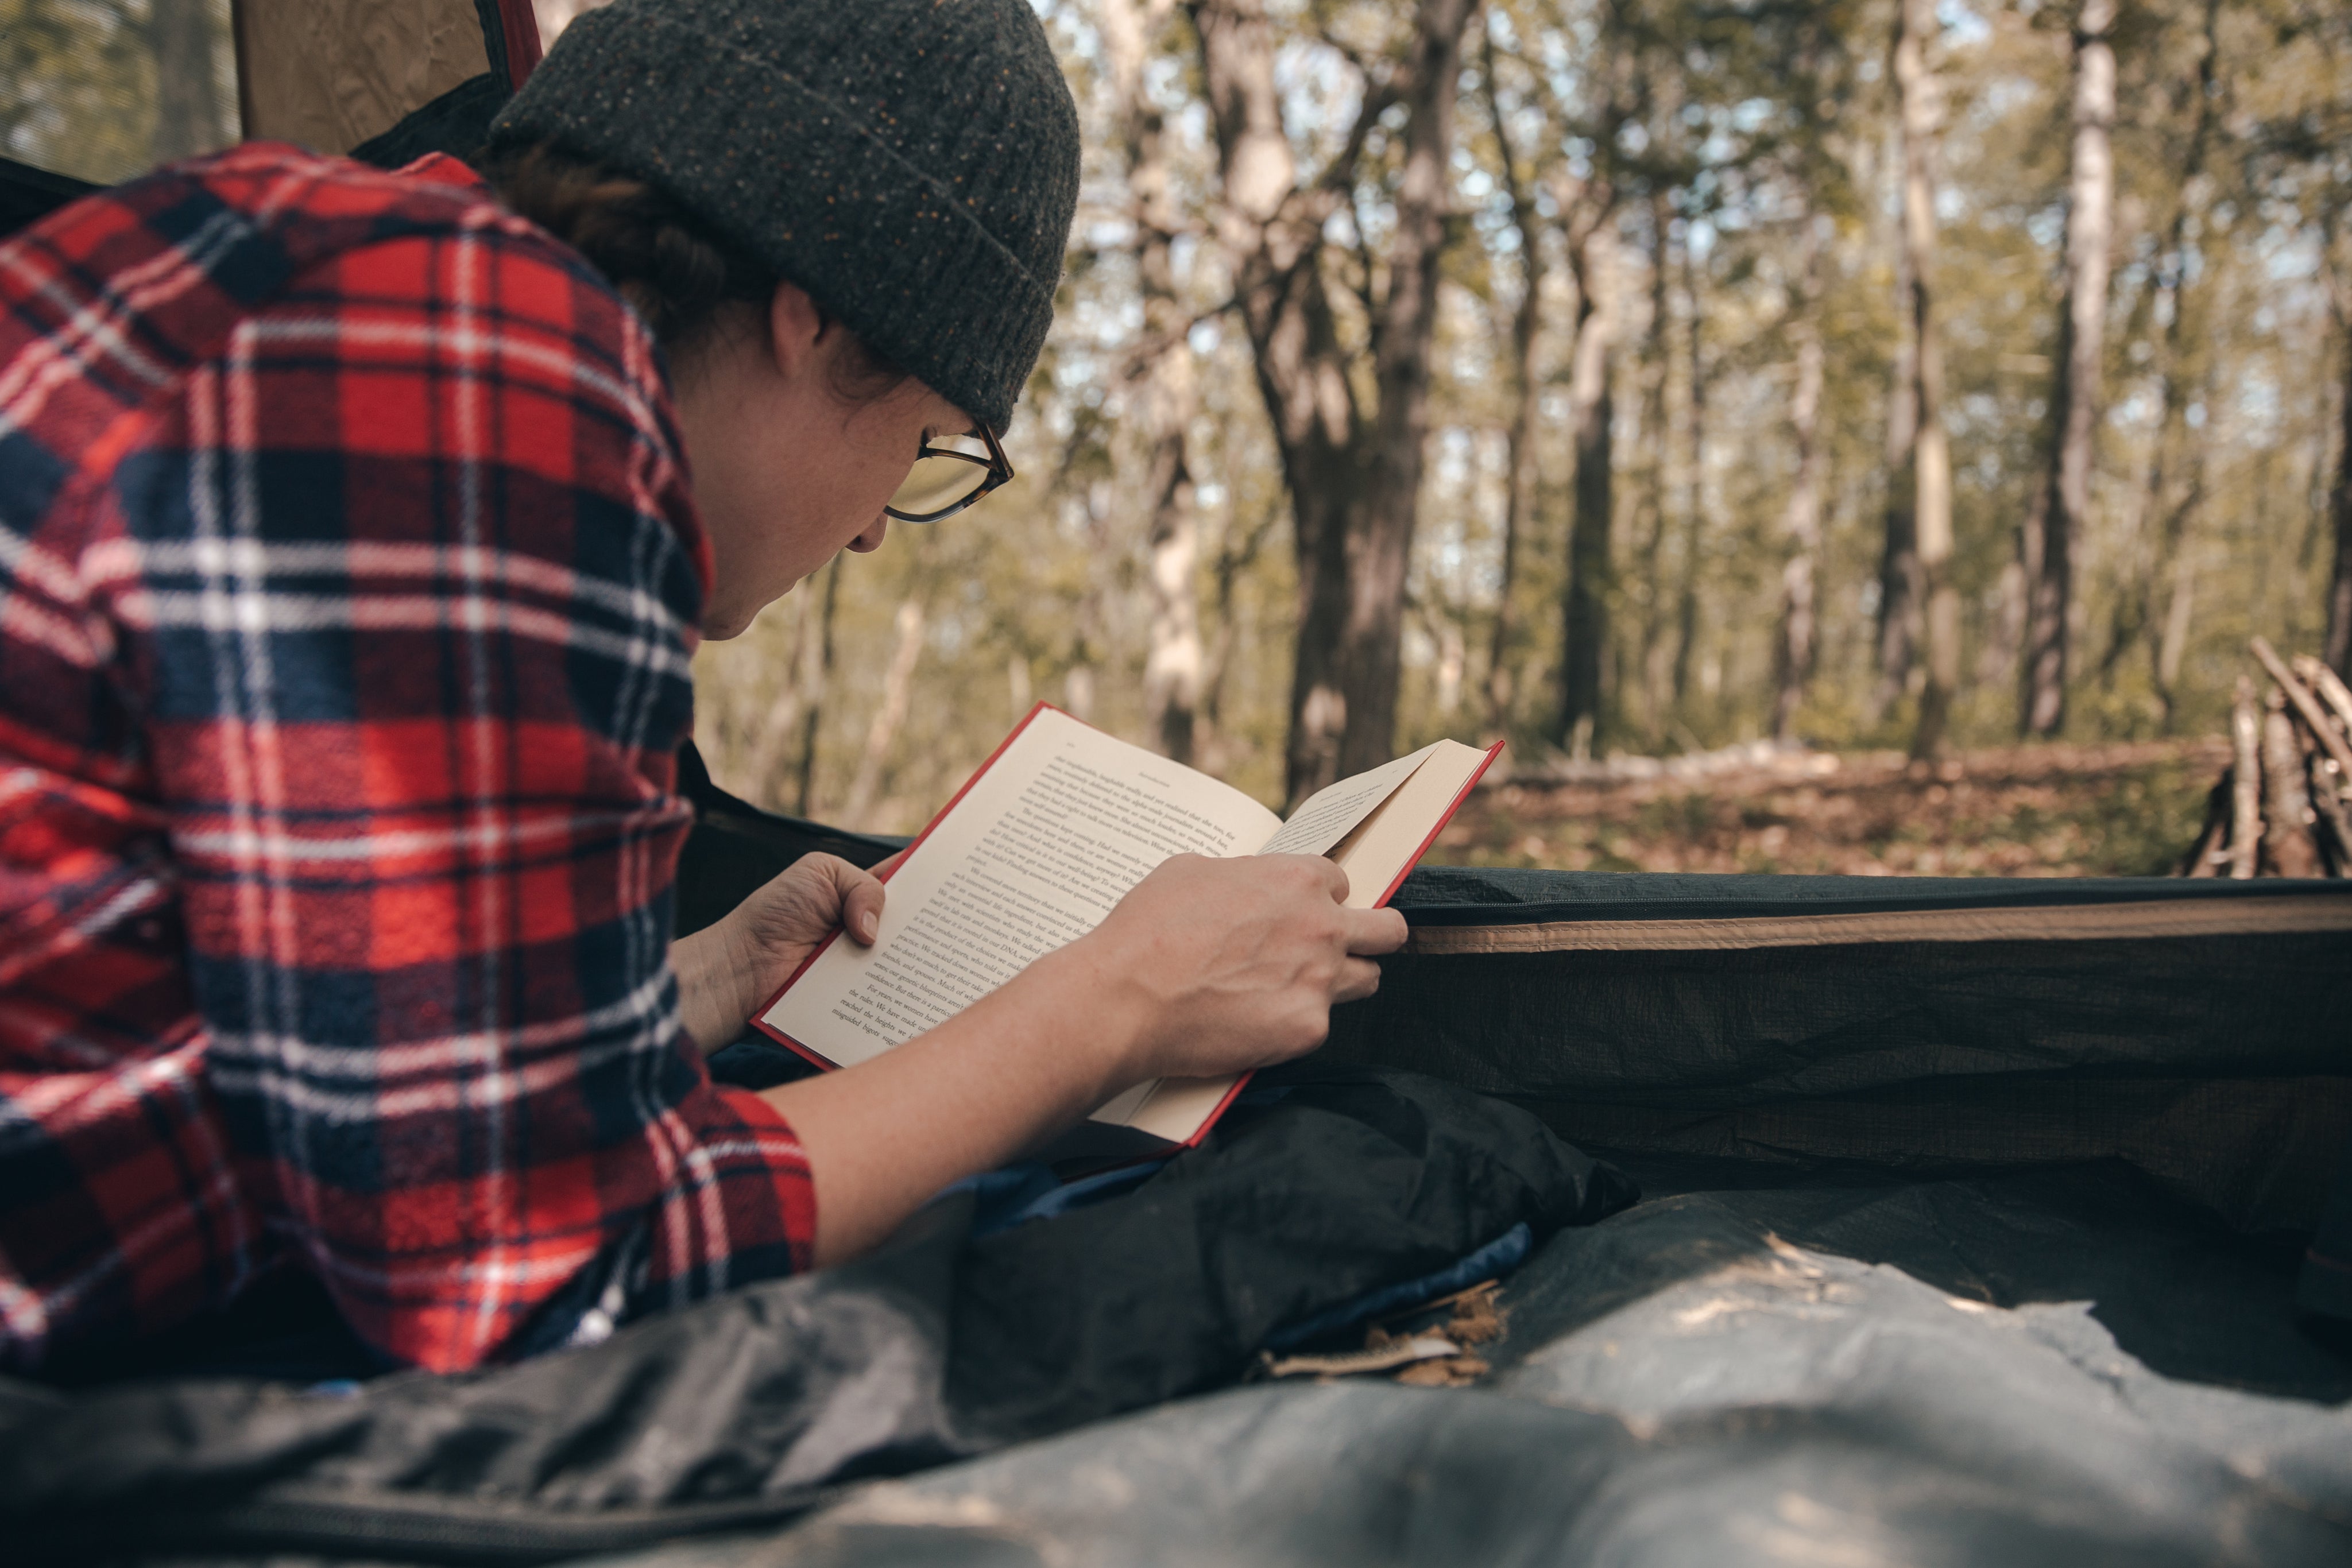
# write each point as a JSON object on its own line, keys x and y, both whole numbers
{"x": 98, "y": 90}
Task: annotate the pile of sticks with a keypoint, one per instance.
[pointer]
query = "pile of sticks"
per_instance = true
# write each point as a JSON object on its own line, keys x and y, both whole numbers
{"x": 2284, "y": 807}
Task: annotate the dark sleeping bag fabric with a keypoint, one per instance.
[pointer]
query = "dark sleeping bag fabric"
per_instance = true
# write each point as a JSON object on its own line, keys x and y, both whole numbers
{"x": 749, "y": 1407}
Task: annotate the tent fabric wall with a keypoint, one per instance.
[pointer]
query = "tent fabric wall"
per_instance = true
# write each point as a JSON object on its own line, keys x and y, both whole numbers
{"x": 332, "y": 74}
{"x": 2198, "y": 1036}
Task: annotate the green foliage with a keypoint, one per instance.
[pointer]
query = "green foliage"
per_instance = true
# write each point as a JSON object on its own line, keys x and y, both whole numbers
{"x": 80, "y": 82}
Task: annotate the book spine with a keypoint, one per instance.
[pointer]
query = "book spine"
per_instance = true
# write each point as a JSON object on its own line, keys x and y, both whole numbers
{"x": 1216, "y": 1115}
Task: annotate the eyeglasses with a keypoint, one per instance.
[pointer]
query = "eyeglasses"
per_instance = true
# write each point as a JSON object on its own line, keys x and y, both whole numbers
{"x": 951, "y": 473}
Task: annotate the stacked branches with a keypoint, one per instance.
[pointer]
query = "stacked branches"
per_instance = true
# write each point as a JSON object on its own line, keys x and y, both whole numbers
{"x": 2283, "y": 806}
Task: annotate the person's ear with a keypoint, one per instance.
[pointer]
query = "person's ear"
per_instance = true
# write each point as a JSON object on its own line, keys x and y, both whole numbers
{"x": 796, "y": 332}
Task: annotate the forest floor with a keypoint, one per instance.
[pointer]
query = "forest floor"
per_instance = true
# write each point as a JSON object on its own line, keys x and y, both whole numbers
{"x": 2038, "y": 810}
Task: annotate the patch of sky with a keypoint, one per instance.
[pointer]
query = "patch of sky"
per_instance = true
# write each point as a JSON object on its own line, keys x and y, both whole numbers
{"x": 1963, "y": 24}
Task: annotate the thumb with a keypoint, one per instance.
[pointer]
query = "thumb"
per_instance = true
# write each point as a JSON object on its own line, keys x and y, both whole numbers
{"x": 861, "y": 901}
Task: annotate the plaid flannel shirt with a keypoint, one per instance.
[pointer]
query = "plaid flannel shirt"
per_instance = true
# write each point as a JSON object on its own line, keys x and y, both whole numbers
{"x": 348, "y": 585}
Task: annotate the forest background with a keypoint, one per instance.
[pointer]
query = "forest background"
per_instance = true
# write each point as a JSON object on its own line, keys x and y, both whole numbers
{"x": 1619, "y": 377}
{"x": 1553, "y": 369}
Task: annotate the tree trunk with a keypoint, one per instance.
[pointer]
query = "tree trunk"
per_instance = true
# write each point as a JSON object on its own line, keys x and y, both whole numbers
{"x": 187, "y": 89}
{"x": 2055, "y": 521}
{"x": 2287, "y": 843}
{"x": 1695, "y": 483}
{"x": 1527, "y": 325}
{"x": 2169, "y": 572}
{"x": 1794, "y": 656}
{"x": 898, "y": 695}
{"x": 1234, "y": 555}
{"x": 1901, "y": 591}
{"x": 1354, "y": 478}
{"x": 2338, "y": 653}
{"x": 816, "y": 672}
{"x": 1403, "y": 340}
{"x": 2245, "y": 783}
{"x": 1931, "y": 457}
{"x": 1584, "y": 606}
{"x": 764, "y": 776}
{"x": 2155, "y": 608}
{"x": 2172, "y": 646}
{"x": 1173, "y": 662}
{"x": 1658, "y": 354}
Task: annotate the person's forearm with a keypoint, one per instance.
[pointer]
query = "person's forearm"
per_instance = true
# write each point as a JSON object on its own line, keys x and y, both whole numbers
{"x": 715, "y": 984}
{"x": 884, "y": 1136}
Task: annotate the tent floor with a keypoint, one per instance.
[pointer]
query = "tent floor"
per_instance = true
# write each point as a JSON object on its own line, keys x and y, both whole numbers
{"x": 2065, "y": 1367}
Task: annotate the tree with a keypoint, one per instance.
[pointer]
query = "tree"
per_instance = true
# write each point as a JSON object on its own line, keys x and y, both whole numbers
{"x": 2056, "y": 519}
{"x": 1929, "y": 460}
{"x": 1584, "y": 603}
{"x": 1902, "y": 585}
{"x": 2166, "y": 567}
{"x": 184, "y": 36}
{"x": 1353, "y": 471}
{"x": 2338, "y": 653}
{"x": 1173, "y": 670}
{"x": 1527, "y": 326}
{"x": 1589, "y": 208}
{"x": 1801, "y": 523}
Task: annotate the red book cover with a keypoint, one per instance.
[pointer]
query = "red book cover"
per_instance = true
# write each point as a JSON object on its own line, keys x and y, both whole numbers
{"x": 760, "y": 1021}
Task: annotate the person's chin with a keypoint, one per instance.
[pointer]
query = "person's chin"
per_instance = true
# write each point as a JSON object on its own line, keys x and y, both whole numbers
{"x": 725, "y": 627}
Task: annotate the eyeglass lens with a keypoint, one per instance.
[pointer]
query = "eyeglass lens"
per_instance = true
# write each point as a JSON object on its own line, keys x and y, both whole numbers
{"x": 951, "y": 470}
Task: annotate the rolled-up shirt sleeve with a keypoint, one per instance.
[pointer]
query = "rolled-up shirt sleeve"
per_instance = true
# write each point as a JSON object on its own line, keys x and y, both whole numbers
{"x": 415, "y": 578}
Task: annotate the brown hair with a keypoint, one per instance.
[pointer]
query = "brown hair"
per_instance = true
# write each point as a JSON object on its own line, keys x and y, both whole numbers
{"x": 684, "y": 279}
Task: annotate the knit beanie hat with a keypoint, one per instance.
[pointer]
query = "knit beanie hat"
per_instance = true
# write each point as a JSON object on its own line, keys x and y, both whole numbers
{"x": 913, "y": 165}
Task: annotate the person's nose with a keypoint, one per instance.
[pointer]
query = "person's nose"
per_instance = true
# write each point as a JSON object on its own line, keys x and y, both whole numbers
{"x": 871, "y": 539}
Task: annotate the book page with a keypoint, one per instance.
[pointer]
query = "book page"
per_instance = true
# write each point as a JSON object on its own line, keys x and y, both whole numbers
{"x": 1041, "y": 846}
{"x": 1384, "y": 846}
{"x": 1328, "y": 815}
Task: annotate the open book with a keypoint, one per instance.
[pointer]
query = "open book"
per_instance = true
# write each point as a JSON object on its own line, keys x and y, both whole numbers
{"x": 1033, "y": 852}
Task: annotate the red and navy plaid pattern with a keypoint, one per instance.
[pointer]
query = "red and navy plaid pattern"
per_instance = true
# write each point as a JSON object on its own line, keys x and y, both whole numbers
{"x": 348, "y": 583}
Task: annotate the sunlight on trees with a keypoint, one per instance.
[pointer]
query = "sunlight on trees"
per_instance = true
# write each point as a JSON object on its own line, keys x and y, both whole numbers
{"x": 1787, "y": 375}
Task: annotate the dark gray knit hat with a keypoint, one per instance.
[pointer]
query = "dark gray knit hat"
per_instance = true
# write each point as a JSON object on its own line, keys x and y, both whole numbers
{"x": 912, "y": 164}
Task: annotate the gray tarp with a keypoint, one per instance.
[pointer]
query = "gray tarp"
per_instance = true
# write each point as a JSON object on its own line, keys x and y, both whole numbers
{"x": 1684, "y": 1386}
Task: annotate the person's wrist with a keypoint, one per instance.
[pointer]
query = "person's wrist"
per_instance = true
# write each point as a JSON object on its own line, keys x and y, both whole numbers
{"x": 751, "y": 959}
{"x": 1113, "y": 1016}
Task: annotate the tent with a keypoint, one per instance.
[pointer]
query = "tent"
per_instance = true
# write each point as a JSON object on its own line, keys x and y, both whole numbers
{"x": 100, "y": 90}
{"x": 1975, "y": 1225}
{"x": 1971, "y": 1225}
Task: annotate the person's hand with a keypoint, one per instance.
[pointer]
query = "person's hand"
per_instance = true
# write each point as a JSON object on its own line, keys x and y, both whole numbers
{"x": 728, "y": 970}
{"x": 1206, "y": 967}
{"x": 1235, "y": 964}
{"x": 778, "y": 926}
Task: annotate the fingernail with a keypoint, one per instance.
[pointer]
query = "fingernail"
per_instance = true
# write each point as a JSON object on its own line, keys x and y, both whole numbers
{"x": 867, "y": 925}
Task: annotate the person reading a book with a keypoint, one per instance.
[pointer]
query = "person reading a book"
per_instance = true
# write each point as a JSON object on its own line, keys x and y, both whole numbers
{"x": 356, "y": 531}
